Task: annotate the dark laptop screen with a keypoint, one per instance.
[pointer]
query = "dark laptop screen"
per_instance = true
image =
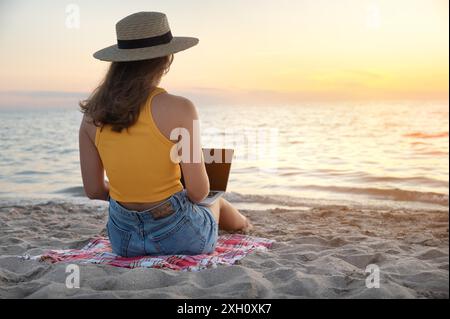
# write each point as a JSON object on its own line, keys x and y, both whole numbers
{"x": 218, "y": 170}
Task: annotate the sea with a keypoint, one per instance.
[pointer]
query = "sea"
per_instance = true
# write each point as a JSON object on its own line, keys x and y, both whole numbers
{"x": 384, "y": 154}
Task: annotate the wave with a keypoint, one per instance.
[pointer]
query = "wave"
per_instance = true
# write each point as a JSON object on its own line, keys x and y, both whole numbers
{"x": 279, "y": 200}
{"x": 418, "y": 180}
{"x": 389, "y": 194}
{"x": 77, "y": 191}
{"x": 32, "y": 173}
{"x": 393, "y": 194}
{"x": 426, "y": 135}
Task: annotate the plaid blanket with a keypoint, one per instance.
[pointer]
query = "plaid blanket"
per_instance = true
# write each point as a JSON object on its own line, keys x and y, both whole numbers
{"x": 230, "y": 249}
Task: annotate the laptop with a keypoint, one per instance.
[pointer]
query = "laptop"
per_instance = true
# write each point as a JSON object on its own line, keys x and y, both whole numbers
{"x": 218, "y": 166}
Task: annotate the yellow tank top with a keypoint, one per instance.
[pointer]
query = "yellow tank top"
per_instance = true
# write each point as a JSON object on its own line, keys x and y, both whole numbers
{"x": 137, "y": 162}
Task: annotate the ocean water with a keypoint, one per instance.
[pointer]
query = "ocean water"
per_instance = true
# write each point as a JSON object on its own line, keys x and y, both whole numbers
{"x": 394, "y": 154}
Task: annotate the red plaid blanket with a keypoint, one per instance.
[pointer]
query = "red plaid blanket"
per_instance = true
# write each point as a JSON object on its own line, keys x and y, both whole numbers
{"x": 229, "y": 249}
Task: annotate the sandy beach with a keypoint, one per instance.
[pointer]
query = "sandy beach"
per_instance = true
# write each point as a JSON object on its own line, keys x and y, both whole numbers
{"x": 321, "y": 252}
{"x": 337, "y": 113}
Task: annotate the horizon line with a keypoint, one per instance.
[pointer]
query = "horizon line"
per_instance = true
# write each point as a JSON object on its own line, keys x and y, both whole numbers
{"x": 39, "y": 98}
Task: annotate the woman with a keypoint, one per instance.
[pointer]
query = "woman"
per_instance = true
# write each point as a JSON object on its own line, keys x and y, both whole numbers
{"x": 126, "y": 131}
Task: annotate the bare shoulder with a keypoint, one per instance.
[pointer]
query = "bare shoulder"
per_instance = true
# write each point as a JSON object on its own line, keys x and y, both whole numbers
{"x": 174, "y": 107}
{"x": 172, "y": 111}
{"x": 87, "y": 126}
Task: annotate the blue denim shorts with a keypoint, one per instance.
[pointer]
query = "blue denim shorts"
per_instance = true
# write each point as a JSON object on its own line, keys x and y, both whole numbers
{"x": 190, "y": 230}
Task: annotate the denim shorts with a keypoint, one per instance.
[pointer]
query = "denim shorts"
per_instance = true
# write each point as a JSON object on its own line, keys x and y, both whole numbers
{"x": 190, "y": 230}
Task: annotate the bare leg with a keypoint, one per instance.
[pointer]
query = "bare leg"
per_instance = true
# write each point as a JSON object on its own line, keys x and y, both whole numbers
{"x": 228, "y": 217}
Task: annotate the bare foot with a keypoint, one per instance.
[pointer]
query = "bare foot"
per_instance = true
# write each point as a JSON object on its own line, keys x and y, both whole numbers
{"x": 248, "y": 226}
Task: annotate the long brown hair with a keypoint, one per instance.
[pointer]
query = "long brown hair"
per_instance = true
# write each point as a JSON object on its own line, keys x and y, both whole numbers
{"x": 118, "y": 99}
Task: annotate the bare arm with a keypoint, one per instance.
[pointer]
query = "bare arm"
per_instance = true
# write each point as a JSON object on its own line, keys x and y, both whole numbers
{"x": 195, "y": 176}
{"x": 92, "y": 170}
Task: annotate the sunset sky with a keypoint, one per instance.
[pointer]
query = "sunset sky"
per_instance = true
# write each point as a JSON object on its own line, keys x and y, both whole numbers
{"x": 300, "y": 49}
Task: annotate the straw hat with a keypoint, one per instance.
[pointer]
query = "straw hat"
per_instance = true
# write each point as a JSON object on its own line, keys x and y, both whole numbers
{"x": 143, "y": 36}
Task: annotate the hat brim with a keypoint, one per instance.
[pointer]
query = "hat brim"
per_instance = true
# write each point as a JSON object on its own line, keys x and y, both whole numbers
{"x": 114, "y": 54}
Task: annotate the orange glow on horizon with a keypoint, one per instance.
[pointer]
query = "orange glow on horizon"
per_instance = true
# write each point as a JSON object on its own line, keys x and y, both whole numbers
{"x": 354, "y": 49}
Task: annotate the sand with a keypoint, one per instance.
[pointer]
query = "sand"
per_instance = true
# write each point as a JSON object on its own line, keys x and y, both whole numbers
{"x": 321, "y": 252}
